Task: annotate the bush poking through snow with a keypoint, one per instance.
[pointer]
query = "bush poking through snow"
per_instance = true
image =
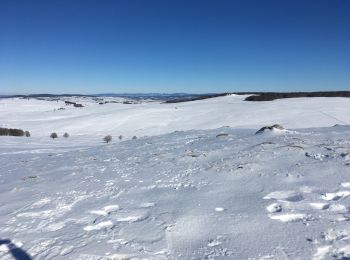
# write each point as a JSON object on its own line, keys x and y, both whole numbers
{"x": 65, "y": 135}
{"x": 221, "y": 135}
{"x": 134, "y": 137}
{"x": 107, "y": 138}
{"x": 27, "y": 133}
{"x": 120, "y": 137}
{"x": 53, "y": 135}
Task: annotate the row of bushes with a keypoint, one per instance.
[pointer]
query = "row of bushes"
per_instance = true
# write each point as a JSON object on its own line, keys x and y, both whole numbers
{"x": 55, "y": 135}
{"x": 20, "y": 132}
{"x": 13, "y": 132}
{"x": 108, "y": 138}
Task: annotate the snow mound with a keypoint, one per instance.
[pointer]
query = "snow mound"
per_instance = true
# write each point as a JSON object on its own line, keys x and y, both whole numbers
{"x": 276, "y": 128}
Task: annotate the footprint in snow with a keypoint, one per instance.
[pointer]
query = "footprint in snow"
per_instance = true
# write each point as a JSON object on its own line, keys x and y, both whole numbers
{"x": 99, "y": 226}
{"x": 335, "y": 195}
{"x": 214, "y": 242}
{"x": 291, "y": 196}
{"x": 147, "y": 205}
{"x": 336, "y": 245}
{"x": 319, "y": 205}
{"x": 290, "y": 217}
{"x": 274, "y": 207}
{"x": 285, "y": 197}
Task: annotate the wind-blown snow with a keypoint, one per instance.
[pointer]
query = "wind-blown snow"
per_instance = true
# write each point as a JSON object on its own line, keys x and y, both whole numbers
{"x": 224, "y": 193}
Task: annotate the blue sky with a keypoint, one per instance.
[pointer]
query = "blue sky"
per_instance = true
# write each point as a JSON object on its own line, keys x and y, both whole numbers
{"x": 133, "y": 46}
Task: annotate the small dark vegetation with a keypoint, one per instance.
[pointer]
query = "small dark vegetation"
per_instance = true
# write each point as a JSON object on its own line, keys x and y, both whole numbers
{"x": 73, "y": 103}
{"x": 120, "y": 137}
{"x": 29, "y": 177}
{"x": 221, "y": 135}
{"x": 53, "y": 135}
{"x": 65, "y": 135}
{"x": 134, "y": 137}
{"x": 13, "y": 132}
{"x": 107, "y": 138}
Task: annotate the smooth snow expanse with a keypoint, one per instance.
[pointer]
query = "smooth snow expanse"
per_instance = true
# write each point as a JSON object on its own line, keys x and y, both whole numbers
{"x": 221, "y": 193}
{"x": 153, "y": 118}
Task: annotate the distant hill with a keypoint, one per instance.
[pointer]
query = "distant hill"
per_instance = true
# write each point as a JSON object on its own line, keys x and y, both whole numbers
{"x": 268, "y": 96}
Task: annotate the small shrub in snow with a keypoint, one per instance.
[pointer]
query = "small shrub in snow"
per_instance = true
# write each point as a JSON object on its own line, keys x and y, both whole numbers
{"x": 120, "y": 137}
{"x": 221, "y": 135}
{"x": 27, "y": 133}
{"x": 65, "y": 135}
{"x": 53, "y": 135}
{"x": 134, "y": 137}
{"x": 107, "y": 138}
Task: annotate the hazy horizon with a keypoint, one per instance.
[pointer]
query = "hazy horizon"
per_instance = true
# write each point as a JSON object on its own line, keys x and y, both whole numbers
{"x": 159, "y": 93}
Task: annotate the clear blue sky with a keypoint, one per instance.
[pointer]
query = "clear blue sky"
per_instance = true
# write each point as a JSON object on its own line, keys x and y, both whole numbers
{"x": 99, "y": 46}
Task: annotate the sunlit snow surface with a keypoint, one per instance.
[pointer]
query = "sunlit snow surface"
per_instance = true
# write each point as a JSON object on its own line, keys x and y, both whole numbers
{"x": 152, "y": 118}
{"x": 181, "y": 195}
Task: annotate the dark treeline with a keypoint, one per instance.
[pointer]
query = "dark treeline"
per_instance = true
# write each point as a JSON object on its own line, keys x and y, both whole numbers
{"x": 13, "y": 132}
{"x": 268, "y": 96}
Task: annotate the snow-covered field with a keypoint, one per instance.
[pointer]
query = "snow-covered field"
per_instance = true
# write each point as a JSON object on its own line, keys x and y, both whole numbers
{"x": 151, "y": 118}
{"x": 213, "y": 189}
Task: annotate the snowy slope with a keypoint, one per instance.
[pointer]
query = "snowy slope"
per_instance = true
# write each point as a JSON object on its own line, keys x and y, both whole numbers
{"x": 41, "y": 118}
{"x": 219, "y": 193}
{"x": 180, "y": 196}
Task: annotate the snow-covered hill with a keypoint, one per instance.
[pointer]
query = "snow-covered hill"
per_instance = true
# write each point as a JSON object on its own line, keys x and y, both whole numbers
{"x": 219, "y": 193}
{"x": 43, "y": 117}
